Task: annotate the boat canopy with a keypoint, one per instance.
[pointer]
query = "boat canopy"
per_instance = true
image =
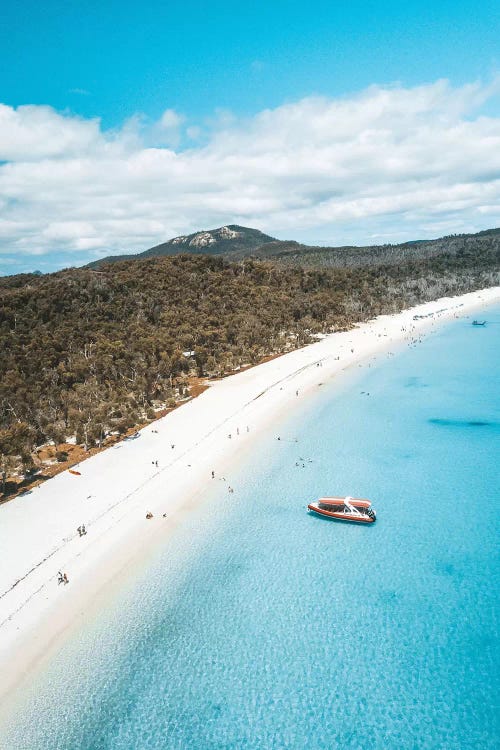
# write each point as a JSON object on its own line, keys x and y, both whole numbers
{"x": 343, "y": 500}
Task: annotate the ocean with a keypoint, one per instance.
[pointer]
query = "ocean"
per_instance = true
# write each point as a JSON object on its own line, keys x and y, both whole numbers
{"x": 260, "y": 626}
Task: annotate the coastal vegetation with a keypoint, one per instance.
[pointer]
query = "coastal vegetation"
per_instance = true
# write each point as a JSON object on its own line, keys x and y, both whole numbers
{"x": 89, "y": 354}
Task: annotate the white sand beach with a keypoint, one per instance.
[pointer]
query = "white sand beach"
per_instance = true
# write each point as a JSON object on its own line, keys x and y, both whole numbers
{"x": 163, "y": 471}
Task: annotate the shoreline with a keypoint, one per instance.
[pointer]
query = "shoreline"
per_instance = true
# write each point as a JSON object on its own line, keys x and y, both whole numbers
{"x": 118, "y": 486}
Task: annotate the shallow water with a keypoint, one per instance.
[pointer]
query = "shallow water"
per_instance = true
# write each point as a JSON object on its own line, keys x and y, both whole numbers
{"x": 259, "y": 626}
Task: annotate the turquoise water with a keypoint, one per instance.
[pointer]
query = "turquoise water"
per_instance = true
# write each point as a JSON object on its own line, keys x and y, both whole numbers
{"x": 259, "y": 626}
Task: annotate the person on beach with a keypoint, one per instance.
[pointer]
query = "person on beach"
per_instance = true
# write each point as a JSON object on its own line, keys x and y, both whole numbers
{"x": 60, "y": 578}
{"x": 65, "y": 579}
{"x": 213, "y": 474}
{"x": 149, "y": 515}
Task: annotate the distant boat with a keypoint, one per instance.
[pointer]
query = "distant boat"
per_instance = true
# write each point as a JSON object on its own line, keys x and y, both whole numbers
{"x": 353, "y": 509}
{"x": 478, "y": 322}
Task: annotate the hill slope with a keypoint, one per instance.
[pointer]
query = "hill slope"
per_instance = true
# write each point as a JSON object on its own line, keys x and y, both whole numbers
{"x": 293, "y": 253}
{"x": 236, "y": 243}
{"x": 231, "y": 240}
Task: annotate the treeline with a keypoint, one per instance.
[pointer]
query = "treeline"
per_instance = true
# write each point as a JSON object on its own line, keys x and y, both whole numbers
{"x": 87, "y": 353}
{"x": 237, "y": 243}
{"x": 483, "y": 245}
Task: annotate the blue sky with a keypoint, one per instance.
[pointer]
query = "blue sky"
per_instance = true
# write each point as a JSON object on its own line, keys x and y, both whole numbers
{"x": 199, "y": 56}
{"x": 215, "y": 67}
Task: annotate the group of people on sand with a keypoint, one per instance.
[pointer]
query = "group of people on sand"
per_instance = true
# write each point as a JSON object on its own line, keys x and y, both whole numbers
{"x": 238, "y": 431}
{"x": 62, "y": 578}
{"x": 82, "y": 530}
{"x": 149, "y": 515}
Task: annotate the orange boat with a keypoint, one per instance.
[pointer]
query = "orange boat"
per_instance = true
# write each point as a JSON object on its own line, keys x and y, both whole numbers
{"x": 76, "y": 473}
{"x": 353, "y": 509}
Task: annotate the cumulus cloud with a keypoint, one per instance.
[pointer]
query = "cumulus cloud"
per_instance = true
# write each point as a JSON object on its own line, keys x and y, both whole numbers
{"x": 167, "y": 131}
{"x": 31, "y": 133}
{"x": 171, "y": 119}
{"x": 392, "y": 162}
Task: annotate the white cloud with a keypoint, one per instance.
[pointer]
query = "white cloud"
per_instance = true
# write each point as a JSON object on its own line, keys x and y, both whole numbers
{"x": 171, "y": 119}
{"x": 167, "y": 131}
{"x": 390, "y": 161}
{"x": 34, "y": 132}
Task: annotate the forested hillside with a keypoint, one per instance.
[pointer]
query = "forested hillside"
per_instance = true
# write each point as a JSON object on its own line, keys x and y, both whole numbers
{"x": 232, "y": 240}
{"x": 481, "y": 245}
{"x": 87, "y": 353}
{"x": 236, "y": 243}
